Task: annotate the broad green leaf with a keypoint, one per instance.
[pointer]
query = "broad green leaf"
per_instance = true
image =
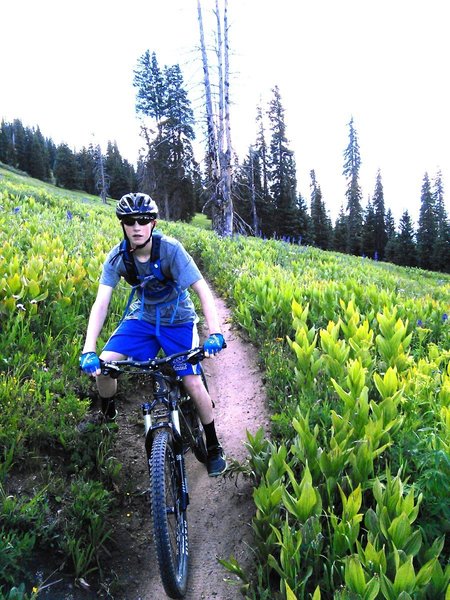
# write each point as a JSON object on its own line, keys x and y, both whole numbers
{"x": 316, "y": 595}
{"x": 289, "y": 593}
{"x": 372, "y": 589}
{"x": 354, "y": 575}
{"x": 400, "y": 530}
{"x": 426, "y": 572}
{"x": 405, "y": 578}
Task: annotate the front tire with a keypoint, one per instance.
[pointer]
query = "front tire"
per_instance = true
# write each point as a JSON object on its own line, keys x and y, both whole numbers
{"x": 169, "y": 505}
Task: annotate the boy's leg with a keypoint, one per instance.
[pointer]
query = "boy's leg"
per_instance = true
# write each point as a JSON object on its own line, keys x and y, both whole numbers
{"x": 200, "y": 396}
{"x": 184, "y": 337}
{"x": 107, "y": 387}
{"x": 216, "y": 462}
{"x": 132, "y": 338}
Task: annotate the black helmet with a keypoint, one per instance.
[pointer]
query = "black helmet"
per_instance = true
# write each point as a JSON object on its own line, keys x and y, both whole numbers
{"x": 136, "y": 204}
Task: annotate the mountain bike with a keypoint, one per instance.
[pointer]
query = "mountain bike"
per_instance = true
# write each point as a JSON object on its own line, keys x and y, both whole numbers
{"x": 172, "y": 427}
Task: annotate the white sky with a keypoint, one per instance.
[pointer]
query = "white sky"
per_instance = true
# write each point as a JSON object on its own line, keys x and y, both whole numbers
{"x": 68, "y": 68}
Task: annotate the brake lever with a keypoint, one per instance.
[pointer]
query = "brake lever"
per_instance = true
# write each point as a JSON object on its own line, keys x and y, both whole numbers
{"x": 196, "y": 357}
{"x": 112, "y": 370}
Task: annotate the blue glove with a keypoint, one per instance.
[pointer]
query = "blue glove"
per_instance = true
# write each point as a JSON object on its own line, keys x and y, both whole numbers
{"x": 214, "y": 344}
{"x": 89, "y": 362}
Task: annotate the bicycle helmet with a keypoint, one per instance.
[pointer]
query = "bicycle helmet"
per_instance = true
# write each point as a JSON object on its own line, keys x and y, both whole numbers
{"x": 136, "y": 204}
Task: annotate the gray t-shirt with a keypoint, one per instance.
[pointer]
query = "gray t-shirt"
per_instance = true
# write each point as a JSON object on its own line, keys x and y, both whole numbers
{"x": 176, "y": 265}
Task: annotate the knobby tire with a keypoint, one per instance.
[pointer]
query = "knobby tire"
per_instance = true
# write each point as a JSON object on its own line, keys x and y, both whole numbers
{"x": 169, "y": 519}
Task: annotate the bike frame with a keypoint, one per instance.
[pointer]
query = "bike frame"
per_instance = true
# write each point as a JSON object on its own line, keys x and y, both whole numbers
{"x": 165, "y": 447}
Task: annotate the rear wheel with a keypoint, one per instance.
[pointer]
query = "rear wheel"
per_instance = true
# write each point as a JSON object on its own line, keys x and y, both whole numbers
{"x": 169, "y": 503}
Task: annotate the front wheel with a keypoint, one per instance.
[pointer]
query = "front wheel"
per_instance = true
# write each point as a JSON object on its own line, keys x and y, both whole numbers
{"x": 169, "y": 503}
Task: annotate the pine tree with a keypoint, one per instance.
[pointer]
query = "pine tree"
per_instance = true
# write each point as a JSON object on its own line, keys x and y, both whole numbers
{"x": 168, "y": 169}
{"x": 7, "y": 150}
{"x": 352, "y": 164}
{"x": 248, "y": 195}
{"x": 51, "y": 153}
{"x": 368, "y": 232}
{"x": 379, "y": 218}
{"x": 66, "y": 168}
{"x": 303, "y": 235}
{"x": 320, "y": 224}
{"x": 340, "y": 232}
{"x": 283, "y": 181}
{"x": 427, "y": 231}
{"x": 38, "y": 160}
{"x": 86, "y": 169}
{"x": 404, "y": 252}
{"x": 118, "y": 175}
{"x": 151, "y": 92}
{"x": 20, "y": 145}
{"x": 266, "y": 209}
{"x": 441, "y": 250}
{"x": 390, "y": 235}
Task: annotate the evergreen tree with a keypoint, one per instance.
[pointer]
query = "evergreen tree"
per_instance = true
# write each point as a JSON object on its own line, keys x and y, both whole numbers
{"x": 368, "y": 232}
{"x": 178, "y": 111}
{"x": 427, "y": 231}
{"x": 151, "y": 91}
{"x": 404, "y": 247}
{"x": 51, "y": 153}
{"x": 389, "y": 224}
{"x": 248, "y": 195}
{"x": 7, "y": 150}
{"x": 168, "y": 169}
{"x": 283, "y": 181}
{"x": 38, "y": 160}
{"x": 303, "y": 235}
{"x": 118, "y": 173}
{"x": 266, "y": 209}
{"x": 352, "y": 164}
{"x": 340, "y": 232}
{"x": 389, "y": 249}
{"x": 66, "y": 168}
{"x": 20, "y": 145}
{"x": 380, "y": 233}
{"x": 320, "y": 224}
{"x": 86, "y": 169}
{"x": 441, "y": 250}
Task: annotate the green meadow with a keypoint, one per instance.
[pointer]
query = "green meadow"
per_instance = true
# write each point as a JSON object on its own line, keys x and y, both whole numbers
{"x": 352, "y": 488}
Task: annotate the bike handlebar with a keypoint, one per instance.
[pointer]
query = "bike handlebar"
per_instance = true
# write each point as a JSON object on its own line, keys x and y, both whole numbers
{"x": 193, "y": 356}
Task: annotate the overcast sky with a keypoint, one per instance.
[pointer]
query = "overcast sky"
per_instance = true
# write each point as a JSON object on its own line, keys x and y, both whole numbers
{"x": 67, "y": 66}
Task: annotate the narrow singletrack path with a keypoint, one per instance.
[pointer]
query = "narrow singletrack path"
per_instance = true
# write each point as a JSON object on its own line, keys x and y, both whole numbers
{"x": 220, "y": 509}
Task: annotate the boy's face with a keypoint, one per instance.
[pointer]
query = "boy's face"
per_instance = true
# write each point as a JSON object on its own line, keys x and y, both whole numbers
{"x": 138, "y": 229}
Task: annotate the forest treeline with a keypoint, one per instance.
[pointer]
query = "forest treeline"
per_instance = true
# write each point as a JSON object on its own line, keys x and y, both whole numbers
{"x": 266, "y": 200}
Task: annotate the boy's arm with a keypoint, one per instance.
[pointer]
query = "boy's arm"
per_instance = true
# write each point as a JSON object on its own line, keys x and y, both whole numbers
{"x": 97, "y": 317}
{"x": 204, "y": 293}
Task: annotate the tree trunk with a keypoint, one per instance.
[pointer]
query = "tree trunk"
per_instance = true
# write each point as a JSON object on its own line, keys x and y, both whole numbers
{"x": 219, "y": 159}
{"x": 226, "y": 170}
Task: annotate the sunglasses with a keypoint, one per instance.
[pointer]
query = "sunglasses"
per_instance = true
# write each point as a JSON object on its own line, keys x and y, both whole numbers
{"x": 130, "y": 221}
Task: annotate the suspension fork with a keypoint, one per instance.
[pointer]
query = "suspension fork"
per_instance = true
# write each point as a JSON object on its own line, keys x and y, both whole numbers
{"x": 174, "y": 425}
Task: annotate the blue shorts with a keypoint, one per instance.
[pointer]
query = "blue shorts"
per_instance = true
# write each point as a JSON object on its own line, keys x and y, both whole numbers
{"x": 137, "y": 339}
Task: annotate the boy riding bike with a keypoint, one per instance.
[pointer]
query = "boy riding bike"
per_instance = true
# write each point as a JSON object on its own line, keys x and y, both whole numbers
{"x": 162, "y": 314}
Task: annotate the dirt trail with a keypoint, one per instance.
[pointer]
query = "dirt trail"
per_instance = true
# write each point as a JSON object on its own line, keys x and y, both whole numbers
{"x": 220, "y": 509}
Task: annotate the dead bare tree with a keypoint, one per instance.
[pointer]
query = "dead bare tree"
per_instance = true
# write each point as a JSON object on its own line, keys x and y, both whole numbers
{"x": 219, "y": 168}
{"x": 102, "y": 179}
